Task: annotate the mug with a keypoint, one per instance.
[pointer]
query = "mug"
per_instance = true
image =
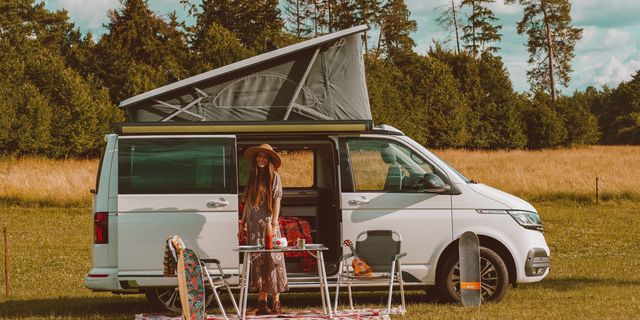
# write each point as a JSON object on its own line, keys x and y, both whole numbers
{"x": 301, "y": 243}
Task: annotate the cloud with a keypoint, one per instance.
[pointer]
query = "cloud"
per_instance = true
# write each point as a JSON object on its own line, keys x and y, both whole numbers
{"x": 633, "y": 62}
{"x": 612, "y": 73}
{"x": 594, "y": 38}
{"x": 500, "y": 8}
{"x": 86, "y": 17}
{"x": 613, "y": 13}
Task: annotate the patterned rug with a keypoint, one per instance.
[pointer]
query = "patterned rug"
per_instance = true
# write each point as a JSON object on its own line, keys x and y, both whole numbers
{"x": 368, "y": 314}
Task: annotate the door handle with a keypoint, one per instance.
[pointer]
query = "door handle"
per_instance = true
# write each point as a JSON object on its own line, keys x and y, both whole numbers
{"x": 217, "y": 203}
{"x": 357, "y": 202}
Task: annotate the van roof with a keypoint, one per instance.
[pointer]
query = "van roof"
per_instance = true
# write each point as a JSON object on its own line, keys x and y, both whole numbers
{"x": 254, "y": 127}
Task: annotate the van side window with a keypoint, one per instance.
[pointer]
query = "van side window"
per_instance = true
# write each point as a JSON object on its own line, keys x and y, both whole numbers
{"x": 175, "y": 166}
{"x": 379, "y": 165}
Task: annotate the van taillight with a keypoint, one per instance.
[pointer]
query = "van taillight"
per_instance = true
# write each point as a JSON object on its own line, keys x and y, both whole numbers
{"x": 101, "y": 228}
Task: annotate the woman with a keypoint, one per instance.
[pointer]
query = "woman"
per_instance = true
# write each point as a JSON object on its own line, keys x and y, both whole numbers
{"x": 262, "y": 199}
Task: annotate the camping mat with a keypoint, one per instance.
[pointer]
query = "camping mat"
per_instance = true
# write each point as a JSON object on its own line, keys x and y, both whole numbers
{"x": 368, "y": 314}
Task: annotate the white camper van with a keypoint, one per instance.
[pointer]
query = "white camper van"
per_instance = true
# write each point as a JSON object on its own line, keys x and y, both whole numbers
{"x": 176, "y": 167}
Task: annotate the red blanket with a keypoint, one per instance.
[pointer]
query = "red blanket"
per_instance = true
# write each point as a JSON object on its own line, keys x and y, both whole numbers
{"x": 293, "y": 228}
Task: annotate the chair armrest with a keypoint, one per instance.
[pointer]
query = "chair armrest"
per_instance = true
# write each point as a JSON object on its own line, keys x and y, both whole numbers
{"x": 398, "y": 256}
{"x": 346, "y": 256}
{"x": 216, "y": 261}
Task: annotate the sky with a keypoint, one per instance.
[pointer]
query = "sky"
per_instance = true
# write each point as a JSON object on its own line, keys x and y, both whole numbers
{"x": 607, "y": 54}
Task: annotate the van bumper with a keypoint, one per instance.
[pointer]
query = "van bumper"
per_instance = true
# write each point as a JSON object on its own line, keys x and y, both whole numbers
{"x": 102, "y": 279}
{"x": 534, "y": 260}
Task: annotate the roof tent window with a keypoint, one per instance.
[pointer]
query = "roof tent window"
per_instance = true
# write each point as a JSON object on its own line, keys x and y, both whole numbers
{"x": 175, "y": 166}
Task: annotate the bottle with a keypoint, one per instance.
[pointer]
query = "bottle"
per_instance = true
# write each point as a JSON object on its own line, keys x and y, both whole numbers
{"x": 268, "y": 234}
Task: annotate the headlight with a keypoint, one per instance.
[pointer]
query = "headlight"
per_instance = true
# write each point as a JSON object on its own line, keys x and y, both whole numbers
{"x": 527, "y": 219}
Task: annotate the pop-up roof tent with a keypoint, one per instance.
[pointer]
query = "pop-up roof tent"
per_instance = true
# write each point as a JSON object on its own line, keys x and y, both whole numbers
{"x": 315, "y": 81}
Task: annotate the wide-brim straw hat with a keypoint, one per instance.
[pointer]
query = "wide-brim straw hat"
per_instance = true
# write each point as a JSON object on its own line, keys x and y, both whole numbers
{"x": 250, "y": 154}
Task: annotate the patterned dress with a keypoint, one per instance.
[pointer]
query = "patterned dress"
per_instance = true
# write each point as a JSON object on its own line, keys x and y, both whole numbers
{"x": 268, "y": 272}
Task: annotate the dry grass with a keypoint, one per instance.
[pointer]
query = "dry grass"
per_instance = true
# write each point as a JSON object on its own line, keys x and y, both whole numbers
{"x": 550, "y": 174}
{"x": 535, "y": 175}
{"x": 47, "y": 182}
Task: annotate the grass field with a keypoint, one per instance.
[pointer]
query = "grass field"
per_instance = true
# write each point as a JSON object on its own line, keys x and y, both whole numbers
{"x": 595, "y": 263}
{"x": 594, "y": 274}
{"x": 536, "y": 175}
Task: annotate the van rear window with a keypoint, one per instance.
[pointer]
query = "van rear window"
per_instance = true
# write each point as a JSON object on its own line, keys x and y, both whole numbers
{"x": 175, "y": 166}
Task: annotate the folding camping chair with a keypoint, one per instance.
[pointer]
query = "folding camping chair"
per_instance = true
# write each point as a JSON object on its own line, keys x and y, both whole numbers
{"x": 215, "y": 281}
{"x": 382, "y": 253}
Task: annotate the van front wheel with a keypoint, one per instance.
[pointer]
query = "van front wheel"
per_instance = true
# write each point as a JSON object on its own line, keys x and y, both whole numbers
{"x": 493, "y": 273}
{"x": 168, "y": 298}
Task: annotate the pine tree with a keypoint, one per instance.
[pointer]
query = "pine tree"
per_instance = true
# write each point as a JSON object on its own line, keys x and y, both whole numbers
{"x": 396, "y": 29}
{"x": 299, "y": 18}
{"x": 450, "y": 21}
{"x": 345, "y": 14}
{"x": 218, "y": 47}
{"x": 49, "y": 108}
{"x": 368, "y": 13}
{"x": 480, "y": 31}
{"x": 551, "y": 42}
{"x": 137, "y": 39}
{"x": 252, "y": 21}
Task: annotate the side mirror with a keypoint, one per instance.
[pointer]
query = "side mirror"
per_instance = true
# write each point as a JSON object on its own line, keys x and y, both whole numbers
{"x": 433, "y": 183}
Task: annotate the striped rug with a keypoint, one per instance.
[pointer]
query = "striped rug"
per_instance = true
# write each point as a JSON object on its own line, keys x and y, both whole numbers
{"x": 368, "y": 314}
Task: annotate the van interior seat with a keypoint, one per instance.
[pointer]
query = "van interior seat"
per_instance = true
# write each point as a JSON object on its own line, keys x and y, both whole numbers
{"x": 394, "y": 172}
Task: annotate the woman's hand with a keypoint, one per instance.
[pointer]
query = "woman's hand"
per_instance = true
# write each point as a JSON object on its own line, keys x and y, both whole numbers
{"x": 240, "y": 230}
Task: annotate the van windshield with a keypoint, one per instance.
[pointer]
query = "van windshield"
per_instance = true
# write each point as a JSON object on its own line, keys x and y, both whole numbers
{"x": 452, "y": 169}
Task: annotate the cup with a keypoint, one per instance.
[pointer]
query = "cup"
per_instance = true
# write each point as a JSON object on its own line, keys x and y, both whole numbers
{"x": 300, "y": 243}
{"x": 261, "y": 242}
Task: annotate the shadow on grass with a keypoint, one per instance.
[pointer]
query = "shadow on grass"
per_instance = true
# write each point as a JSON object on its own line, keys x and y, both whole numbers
{"x": 128, "y": 306}
{"x": 573, "y": 283}
{"x": 81, "y": 307}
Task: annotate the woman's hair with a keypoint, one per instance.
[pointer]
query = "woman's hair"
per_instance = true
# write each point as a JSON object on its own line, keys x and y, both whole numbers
{"x": 260, "y": 185}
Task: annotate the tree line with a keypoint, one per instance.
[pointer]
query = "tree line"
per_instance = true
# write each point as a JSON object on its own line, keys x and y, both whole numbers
{"x": 59, "y": 88}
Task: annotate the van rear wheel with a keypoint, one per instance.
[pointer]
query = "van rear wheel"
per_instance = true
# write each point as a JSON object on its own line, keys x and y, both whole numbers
{"x": 168, "y": 298}
{"x": 493, "y": 273}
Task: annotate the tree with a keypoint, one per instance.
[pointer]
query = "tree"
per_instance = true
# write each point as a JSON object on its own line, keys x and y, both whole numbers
{"x": 345, "y": 14}
{"x": 480, "y": 31}
{"x": 495, "y": 118}
{"x": 49, "y": 108}
{"x": 544, "y": 126}
{"x": 299, "y": 18}
{"x": 252, "y": 21}
{"x": 218, "y": 47}
{"x": 396, "y": 31}
{"x": 581, "y": 124}
{"x": 368, "y": 13}
{"x": 137, "y": 39}
{"x": 623, "y": 113}
{"x": 551, "y": 42}
{"x": 439, "y": 111}
{"x": 450, "y": 21}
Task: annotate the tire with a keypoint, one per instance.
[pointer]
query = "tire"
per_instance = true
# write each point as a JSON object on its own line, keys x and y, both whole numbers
{"x": 168, "y": 299}
{"x": 494, "y": 277}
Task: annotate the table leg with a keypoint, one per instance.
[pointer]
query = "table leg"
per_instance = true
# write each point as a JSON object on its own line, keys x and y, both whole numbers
{"x": 326, "y": 285}
{"x": 244, "y": 289}
{"x": 321, "y": 282}
{"x": 241, "y": 283}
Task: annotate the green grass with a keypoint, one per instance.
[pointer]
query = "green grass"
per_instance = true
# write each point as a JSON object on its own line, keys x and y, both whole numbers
{"x": 594, "y": 272}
